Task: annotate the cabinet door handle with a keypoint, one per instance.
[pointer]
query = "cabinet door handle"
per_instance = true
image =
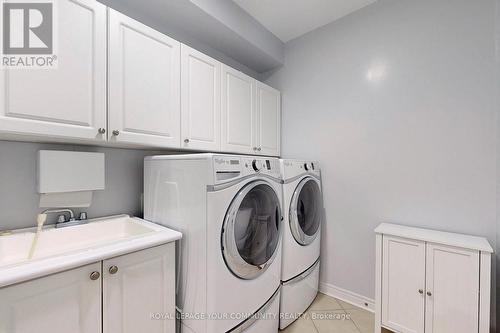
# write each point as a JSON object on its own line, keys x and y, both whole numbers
{"x": 420, "y": 291}
{"x": 429, "y": 293}
{"x": 101, "y": 130}
{"x": 259, "y": 149}
{"x": 113, "y": 269}
{"x": 254, "y": 148}
{"x": 94, "y": 275}
{"x": 186, "y": 140}
{"x": 116, "y": 132}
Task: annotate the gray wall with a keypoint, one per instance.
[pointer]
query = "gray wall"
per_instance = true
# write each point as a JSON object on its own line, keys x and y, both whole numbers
{"x": 399, "y": 104}
{"x": 19, "y": 199}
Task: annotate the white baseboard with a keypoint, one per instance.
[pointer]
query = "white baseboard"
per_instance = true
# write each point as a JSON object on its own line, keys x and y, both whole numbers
{"x": 347, "y": 296}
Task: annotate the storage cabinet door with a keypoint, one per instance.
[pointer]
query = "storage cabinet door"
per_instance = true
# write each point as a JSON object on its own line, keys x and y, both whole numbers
{"x": 200, "y": 100}
{"x": 144, "y": 84}
{"x": 238, "y": 112}
{"x": 268, "y": 120}
{"x": 139, "y": 291}
{"x": 68, "y": 302}
{"x": 403, "y": 284}
{"x": 452, "y": 290}
{"x": 68, "y": 101}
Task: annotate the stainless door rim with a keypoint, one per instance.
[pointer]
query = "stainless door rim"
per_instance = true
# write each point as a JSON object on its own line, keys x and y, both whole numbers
{"x": 254, "y": 317}
{"x": 305, "y": 174}
{"x": 297, "y": 232}
{"x": 236, "y": 264}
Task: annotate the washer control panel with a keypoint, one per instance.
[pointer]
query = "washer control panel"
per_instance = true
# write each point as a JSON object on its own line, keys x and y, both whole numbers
{"x": 231, "y": 167}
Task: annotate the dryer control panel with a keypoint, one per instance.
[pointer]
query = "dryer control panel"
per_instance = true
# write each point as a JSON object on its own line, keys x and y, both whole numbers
{"x": 232, "y": 167}
{"x": 293, "y": 168}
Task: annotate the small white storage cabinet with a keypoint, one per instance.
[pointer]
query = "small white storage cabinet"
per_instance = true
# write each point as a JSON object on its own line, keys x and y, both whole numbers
{"x": 122, "y": 294}
{"x": 431, "y": 281}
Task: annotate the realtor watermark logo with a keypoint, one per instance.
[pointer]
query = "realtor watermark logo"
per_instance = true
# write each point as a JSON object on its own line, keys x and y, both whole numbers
{"x": 28, "y": 35}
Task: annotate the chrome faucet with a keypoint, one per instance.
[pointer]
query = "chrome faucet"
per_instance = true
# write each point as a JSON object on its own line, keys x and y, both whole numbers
{"x": 61, "y": 220}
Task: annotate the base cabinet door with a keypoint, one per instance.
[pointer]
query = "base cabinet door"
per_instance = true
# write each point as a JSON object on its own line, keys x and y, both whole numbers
{"x": 68, "y": 302}
{"x": 139, "y": 291}
{"x": 144, "y": 84}
{"x": 452, "y": 290}
{"x": 268, "y": 127}
{"x": 238, "y": 112}
{"x": 68, "y": 101}
{"x": 403, "y": 284}
{"x": 200, "y": 100}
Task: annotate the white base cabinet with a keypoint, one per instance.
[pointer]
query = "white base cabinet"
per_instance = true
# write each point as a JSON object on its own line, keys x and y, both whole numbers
{"x": 131, "y": 293}
{"x": 432, "y": 282}
{"x": 67, "y": 302}
{"x": 138, "y": 291}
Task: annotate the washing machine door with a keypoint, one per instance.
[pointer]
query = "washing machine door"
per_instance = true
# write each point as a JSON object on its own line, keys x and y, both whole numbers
{"x": 305, "y": 212}
{"x": 251, "y": 230}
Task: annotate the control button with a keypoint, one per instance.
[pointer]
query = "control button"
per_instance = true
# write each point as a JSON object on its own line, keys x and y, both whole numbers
{"x": 312, "y": 166}
{"x": 255, "y": 166}
{"x": 306, "y": 167}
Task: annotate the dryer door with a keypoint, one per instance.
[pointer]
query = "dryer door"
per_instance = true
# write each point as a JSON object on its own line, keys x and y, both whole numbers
{"x": 306, "y": 211}
{"x": 251, "y": 231}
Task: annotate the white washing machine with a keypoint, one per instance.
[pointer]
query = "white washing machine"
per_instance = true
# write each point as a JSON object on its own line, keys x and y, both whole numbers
{"x": 229, "y": 210}
{"x": 303, "y": 215}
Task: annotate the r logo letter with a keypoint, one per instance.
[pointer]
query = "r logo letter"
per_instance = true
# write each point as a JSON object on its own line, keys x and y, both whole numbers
{"x": 27, "y": 28}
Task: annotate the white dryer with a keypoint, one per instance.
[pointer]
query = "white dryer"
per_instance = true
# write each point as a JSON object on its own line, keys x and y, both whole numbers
{"x": 303, "y": 215}
{"x": 229, "y": 210}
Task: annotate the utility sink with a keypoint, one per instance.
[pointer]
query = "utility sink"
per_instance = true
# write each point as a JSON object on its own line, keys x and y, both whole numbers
{"x": 96, "y": 240}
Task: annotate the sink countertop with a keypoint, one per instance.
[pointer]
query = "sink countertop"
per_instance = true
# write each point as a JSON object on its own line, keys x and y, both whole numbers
{"x": 39, "y": 267}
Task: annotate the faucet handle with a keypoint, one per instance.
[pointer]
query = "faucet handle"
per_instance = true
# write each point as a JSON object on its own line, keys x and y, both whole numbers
{"x": 83, "y": 216}
{"x": 61, "y": 218}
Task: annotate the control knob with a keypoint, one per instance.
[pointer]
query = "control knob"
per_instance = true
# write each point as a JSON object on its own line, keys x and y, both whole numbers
{"x": 255, "y": 166}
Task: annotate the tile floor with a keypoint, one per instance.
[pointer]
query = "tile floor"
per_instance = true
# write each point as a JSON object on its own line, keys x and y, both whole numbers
{"x": 330, "y": 315}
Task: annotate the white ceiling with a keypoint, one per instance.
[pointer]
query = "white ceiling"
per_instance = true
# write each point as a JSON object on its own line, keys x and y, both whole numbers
{"x": 288, "y": 19}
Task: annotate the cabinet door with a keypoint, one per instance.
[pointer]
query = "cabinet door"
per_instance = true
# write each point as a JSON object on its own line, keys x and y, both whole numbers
{"x": 452, "y": 290}
{"x": 268, "y": 120}
{"x": 68, "y": 302}
{"x": 144, "y": 84}
{"x": 140, "y": 295}
{"x": 403, "y": 284}
{"x": 68, "y": 101}
{"x": 200, "y": 100}
{"x": 238, "y": 112}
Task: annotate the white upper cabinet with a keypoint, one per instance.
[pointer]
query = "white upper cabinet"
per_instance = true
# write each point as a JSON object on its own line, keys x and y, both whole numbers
{"x": 68, "y": 101}
{"x": 144, "y": 84}
{"x": 268, "y": 119}
{"x": 120, "y": 81}
{"x": 238, "y": 112}
{"x": 200, "y": 100}
{"x": 68, "y": 302}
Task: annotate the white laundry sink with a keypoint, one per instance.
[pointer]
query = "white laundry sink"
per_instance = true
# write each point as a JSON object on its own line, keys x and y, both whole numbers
{"x": 64, "y": 248}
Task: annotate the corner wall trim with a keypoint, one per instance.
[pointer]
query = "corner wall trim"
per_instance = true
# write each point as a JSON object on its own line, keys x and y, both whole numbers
{"x": 347, "y": 296}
